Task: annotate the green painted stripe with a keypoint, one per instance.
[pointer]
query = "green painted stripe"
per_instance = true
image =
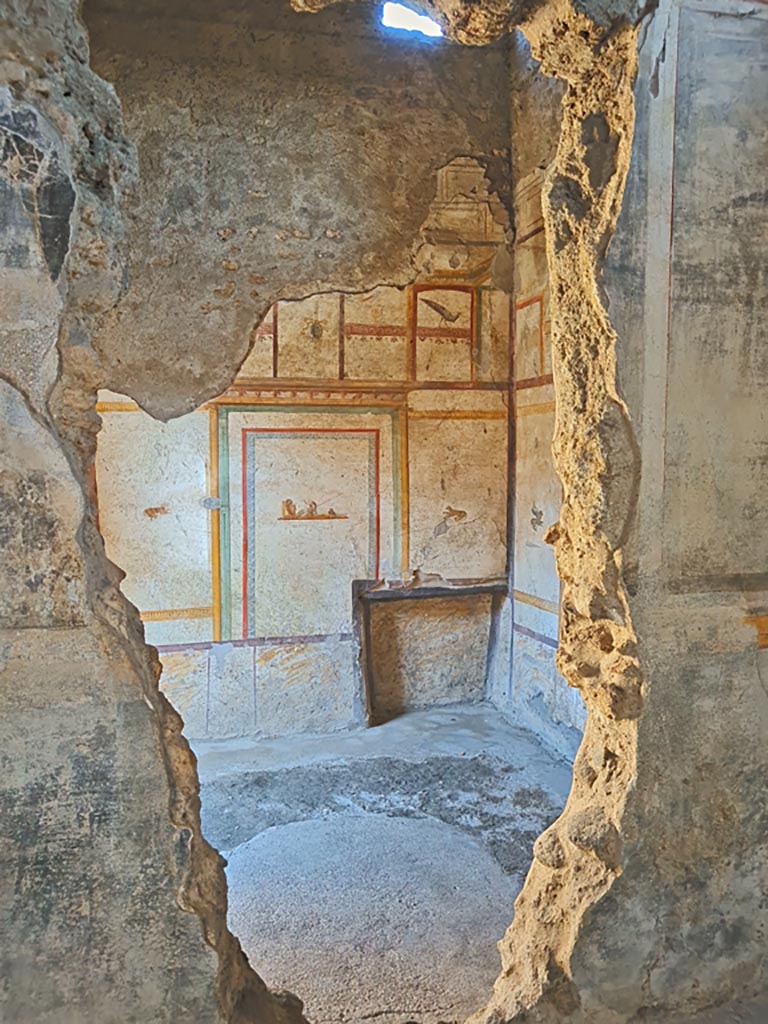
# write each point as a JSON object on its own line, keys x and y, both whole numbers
{"x": 225, "y": 530}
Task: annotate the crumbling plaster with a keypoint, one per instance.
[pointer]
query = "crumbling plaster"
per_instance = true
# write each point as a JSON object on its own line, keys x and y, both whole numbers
{"x": 280, "y": 156}
{"x": 98, "y": 759}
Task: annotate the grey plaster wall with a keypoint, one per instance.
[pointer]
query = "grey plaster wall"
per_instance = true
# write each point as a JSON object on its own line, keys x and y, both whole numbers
{"x": 280, "y": 155}
{"x": 686, "y": 279}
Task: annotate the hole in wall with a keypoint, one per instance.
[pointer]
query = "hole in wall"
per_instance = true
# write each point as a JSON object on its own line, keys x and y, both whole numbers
{"x": 320, "y": 556}
{"x": 398, "y": 16}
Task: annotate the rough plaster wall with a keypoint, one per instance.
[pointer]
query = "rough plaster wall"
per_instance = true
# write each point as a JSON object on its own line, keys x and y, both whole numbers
{"x": 681, "y": 927}
{"x": 280, "y": 156}
{"x": 409, "y": 668}
{"x": 552, "y": 937}
{"x": 102, "y": 855}
{"x": 687, "y": 286}
{"x": 534, "y": 110}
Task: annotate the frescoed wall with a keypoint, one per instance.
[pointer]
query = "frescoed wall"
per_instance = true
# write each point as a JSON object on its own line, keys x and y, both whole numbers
{"x": 364, "y": 438}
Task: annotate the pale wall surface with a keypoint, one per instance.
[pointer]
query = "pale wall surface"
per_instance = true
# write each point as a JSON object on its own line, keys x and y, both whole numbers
{"x": 686, "y": 281}
{"x": 387, "y": 409}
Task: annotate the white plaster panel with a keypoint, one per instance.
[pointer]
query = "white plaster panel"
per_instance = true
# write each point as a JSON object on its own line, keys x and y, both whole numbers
{"x": 458, "y": 476}
{"x": 715, "y": 515}
{"x": 538, "y": 497}
{"x": 304, "y": 687}
{"x": 457, "y": 401}
{"x": 231, "y": 699}
{"x": 528, "y": 339}
{"x": 259, "y": 362}
{"x": 185, "y": 683}
{"x": 179, "y": 630}
{"x": 152, "y": 486}
{"x": 308, "y": 337}
{"x": 494, "y": 342}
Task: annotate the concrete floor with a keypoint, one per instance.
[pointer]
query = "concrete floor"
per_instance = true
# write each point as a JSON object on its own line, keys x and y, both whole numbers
{"x": 372, "y": 872}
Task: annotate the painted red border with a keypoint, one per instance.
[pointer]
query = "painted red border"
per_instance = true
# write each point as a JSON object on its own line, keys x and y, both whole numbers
{"x": 304, "y": 430}
{"x": 457, "y": 333}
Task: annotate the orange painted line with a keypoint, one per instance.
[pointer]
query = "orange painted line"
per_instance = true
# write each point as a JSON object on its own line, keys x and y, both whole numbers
{"x": 458, "y": 414}
{"x": 760, "y": 622}
{"x": 117, "y": 407}
{"x": 536, "y": 602}
{"x": 534, "y": 382}
{"x": 539, "y": 297}
{"x": 428, "y": 286}
{"x": 168, "y": 614}
{"x": 405, "y": 494}
{"x": 266, "y": 387}
{"x": 213, "y": 485}
{"x": 308, "y": 399}
{"x": 532, "y": 410}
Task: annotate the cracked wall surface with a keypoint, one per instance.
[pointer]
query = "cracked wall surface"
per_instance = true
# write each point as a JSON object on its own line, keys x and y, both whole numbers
{"x": 646, "y": 896}
{"x": 281, "y": 156}
{"x": 387, "y": 409}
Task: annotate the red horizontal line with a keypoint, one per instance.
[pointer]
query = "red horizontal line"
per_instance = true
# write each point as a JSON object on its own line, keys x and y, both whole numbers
{"x": 534, "y": 635}
{"x": 263, "y": 331}
{"x": 536, "y": 231}
{"x": 533, "y": 382}
{"x": 530, "y": 302}
{"x": 377, "y": 330}
{"x": 310, "y": 430}
{"x": 258, "y": 641}
{"x": 419, "y": 288}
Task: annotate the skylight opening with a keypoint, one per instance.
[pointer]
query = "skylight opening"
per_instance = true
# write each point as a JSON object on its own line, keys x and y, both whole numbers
{"x": 394, "y": 15}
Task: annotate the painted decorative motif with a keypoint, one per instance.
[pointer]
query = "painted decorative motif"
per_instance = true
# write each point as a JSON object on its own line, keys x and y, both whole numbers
{"x": 290, "y": 512}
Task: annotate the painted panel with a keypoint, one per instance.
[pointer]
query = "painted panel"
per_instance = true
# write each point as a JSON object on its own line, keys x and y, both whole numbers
{"x": 308, "y": 338}
{"x": 444, "y": 334}
{"x": 311, "y": 524}
{"x": 260, "y": 360}
{"x": 305, "y": 687}
{"x": 458, "y": 475}
{"x": 529, "y": 338}
{"x": 152, "y": 485}
{"x": 376, "y": 335}
{"x": 289, "y": 570}
{"x": 537, "y": 502}
{"x": 493, "y": 346}
{"x": 716, "y": 519}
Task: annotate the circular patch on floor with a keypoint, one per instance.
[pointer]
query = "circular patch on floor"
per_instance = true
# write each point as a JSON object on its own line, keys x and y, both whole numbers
{"x": 368, "y": 916}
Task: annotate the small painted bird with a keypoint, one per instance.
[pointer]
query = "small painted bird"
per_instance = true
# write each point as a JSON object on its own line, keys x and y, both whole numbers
{"x": 441, "y": 310}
